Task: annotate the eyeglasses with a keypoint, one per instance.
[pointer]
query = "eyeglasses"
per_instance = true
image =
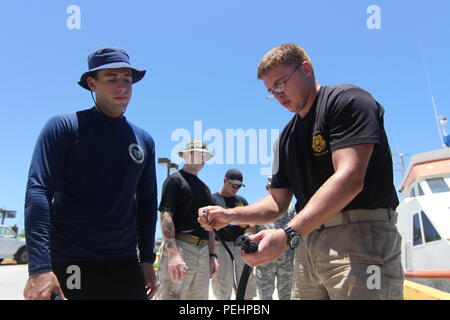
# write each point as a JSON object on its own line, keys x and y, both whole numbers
{"x": 280, "y": 87}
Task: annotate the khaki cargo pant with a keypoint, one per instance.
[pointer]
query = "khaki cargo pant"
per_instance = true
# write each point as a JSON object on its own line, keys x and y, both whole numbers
{"x": 358, "y": 260}
{"x": 222, "y": 283}
{"x": 280, "y": 271}
{"x": 195, "y": 284}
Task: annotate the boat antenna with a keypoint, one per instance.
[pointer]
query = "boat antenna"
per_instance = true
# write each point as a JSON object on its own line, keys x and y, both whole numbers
{"x": 443, "y": 122}
{"x": 400, "y": 155}
{"x": 433, "y": 101}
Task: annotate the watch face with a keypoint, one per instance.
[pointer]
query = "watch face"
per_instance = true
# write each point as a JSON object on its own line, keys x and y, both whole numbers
{"x": 295, "y": 241}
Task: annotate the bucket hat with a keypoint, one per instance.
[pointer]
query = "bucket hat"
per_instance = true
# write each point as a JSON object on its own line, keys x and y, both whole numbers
{"x": 109, "y": 58}
{"x": 196, "y": 145}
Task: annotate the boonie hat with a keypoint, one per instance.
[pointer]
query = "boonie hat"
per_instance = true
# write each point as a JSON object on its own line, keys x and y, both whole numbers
{"x": 109, "y": 58}
{"x": 196, "y": 145}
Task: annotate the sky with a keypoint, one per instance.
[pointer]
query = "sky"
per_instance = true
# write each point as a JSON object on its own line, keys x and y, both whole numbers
{"x": 201, "y": 59}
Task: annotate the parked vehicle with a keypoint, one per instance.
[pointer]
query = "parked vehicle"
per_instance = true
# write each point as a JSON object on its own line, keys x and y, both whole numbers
{"x": 12, "y": 246}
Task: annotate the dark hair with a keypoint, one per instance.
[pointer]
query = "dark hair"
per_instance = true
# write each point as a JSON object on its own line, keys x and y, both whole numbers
{"x": 92, "y": 74}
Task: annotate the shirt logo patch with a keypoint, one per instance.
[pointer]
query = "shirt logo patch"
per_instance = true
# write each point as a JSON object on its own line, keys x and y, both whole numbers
{"x": 319, "y": 144}
{"x": 136, "y": 153}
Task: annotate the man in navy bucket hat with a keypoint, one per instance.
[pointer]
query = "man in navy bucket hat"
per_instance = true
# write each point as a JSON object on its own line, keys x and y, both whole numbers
{"x": 109, "y": 58}
{"x": 91, "y": 197}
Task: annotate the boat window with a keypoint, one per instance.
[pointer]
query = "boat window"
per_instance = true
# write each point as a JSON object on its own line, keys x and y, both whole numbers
{"x": 417, "y": 232}
{"x": 429, "y": 231}
{"x": 412, "y": 192}
{"x": 438, "y": 185}
{"x": 421, "y": 193}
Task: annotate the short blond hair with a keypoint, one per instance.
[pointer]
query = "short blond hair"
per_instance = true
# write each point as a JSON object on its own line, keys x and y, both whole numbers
{"x": 286, "y": 54}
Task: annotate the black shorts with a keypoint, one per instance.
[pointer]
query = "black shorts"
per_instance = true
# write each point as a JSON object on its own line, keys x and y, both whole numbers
{"x": 101, "y": 281}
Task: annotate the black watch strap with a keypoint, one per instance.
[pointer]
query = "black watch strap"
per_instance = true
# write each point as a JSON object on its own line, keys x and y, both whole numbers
{"x": 293, "y": 237}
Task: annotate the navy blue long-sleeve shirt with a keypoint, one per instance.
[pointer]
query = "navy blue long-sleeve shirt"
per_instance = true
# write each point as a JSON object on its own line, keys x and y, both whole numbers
{"x": 91, "y": 192}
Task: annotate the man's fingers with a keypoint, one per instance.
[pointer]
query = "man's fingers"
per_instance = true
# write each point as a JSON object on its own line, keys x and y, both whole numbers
{"x": 151, "y": 292}
{"x": 270, "y": 247}
{"x": 204, "y": 211}
{"x": 214, "y": 267}
{"x": 254, "y": 259}
{"x": 205, "y": 224}
{"x": 203, "y": 218}
{"x": 207, "y": 213}
{"x": 179, "y": 272}
{"x": 257, "y": 237}
{"x": 248, "y": 258}
{"x": 58, "y": 292}
{"x": 212, "y": 217}
{"x": 173, "y": 274}
{"x": 152, "y": 288}
{"x": 43, "y": 286}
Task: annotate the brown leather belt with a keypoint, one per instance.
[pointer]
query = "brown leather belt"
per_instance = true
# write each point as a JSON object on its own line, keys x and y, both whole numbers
{"x": 191, "y": 239}
{"x": 361, "y": 215}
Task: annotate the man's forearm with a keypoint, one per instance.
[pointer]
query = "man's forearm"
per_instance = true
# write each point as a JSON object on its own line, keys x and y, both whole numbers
{"x": 168, "y": 231}
{"x": 331, "y": 198}
{"x": 37, "y": 230}
{"x": 263, "y": 211}
{"x": 350, "y": 165}
{"x": 147, "y": 212}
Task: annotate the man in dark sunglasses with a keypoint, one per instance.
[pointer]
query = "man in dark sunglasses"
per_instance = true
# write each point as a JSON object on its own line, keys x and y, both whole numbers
{"x": 222, "y": 284}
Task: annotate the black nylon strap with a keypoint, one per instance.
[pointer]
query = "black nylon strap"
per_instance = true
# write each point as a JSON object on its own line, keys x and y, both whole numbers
{"x": 231, "y": 257}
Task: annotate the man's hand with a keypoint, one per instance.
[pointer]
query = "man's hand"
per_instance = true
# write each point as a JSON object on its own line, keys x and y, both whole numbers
{"x": 151, "y": 283}
{"x": 271, "y": 244}
{"x": 40, "y": 286}
{"x": 215, "y": 218}
{"x": 213, "y": 267}
{"x": 177, "y": 267}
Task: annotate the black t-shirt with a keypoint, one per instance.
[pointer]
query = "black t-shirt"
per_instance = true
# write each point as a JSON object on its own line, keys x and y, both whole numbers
{"x": 341, "y": 116}
{"x": 232, "y": 231}
{"x": 183, "y": 194}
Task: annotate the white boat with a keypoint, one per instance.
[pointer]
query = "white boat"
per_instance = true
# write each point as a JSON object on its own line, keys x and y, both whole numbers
{"x": 424, "y": 219}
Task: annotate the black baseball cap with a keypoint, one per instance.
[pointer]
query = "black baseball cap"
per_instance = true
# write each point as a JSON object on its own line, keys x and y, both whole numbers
{"x": 234, "y": 176}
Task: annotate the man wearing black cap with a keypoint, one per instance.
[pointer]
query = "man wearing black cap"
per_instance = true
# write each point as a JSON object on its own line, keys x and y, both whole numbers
{"x": 222, "y": 284}
{"x": 91, "y": 195}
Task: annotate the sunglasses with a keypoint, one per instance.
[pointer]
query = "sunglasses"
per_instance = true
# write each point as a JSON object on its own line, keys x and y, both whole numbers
{"x": 234, "y": 185}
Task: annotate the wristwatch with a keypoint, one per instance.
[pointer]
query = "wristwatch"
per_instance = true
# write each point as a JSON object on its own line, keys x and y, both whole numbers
{"x": 293, "y": 237}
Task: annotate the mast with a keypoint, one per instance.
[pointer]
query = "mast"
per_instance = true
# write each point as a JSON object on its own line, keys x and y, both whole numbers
{"x": 433, "y": 101}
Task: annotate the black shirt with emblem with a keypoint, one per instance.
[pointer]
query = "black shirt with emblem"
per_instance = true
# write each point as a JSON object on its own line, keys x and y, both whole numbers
{"x": 232, "y": 231}
{"x": 183, "y": 194}
{"x": 340, "y": 116}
